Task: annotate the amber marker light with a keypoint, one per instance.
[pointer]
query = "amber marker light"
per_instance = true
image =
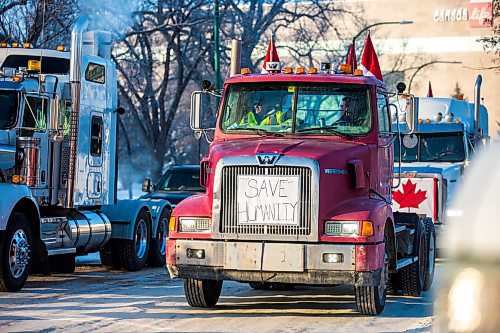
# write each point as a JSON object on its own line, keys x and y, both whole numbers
{"x": 27, "y": 45}
{"x": 300, "y": 70}
{"x": 427, "y": 121}
{"x": 420, "y": 121}
{"x": 358, "y": 72}
{"x": 457, "y": 121}
{"x": 16, "y": 45}
{"x": 16, "y": 179}
{"x": 61, "y": 48}
{"x": 17, "y": 78}
{"x": 345, "y": 68}
{"x": 312, "y": 70}
{"x": 34, "y": 65}
{"x": 245, "y": 71}
{"x": 288, "y": 70}
{"x": 171, "y": 224}
{"x": 366, "y": 228}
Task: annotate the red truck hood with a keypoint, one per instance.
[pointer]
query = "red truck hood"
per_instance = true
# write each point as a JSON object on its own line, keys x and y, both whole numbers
{"x": 318, "y": 149}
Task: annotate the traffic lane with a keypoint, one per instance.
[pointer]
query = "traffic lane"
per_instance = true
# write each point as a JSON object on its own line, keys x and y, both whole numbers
{"x": 99, "y": 300}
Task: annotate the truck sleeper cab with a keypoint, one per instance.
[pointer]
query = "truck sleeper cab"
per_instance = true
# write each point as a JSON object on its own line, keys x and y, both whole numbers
{"x": 302, "y": 200}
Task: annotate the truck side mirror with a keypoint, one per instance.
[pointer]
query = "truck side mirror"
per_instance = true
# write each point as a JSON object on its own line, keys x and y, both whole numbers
{"x": 55, "y": 128}
{"x": 412, "y": 114}
{"x": 196, "y": 110}
{"x": 147, "y": 185}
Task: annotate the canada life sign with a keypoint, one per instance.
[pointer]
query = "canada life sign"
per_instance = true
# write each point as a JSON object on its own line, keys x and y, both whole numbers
{"x": 480, "y": 14}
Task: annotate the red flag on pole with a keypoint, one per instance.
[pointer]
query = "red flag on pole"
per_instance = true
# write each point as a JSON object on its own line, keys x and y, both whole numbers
{"x": 272, "y": 61}
{"x": 351, "y": 57}
{"x": 369, "y": 61}
{"x": 429, "y": 91}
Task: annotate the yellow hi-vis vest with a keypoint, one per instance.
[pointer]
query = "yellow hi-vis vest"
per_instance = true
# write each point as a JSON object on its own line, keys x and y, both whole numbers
{"x": 273, "y": 119}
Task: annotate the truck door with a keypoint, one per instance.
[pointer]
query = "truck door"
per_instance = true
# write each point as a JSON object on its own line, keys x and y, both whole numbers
{"x": 385, "y": 150}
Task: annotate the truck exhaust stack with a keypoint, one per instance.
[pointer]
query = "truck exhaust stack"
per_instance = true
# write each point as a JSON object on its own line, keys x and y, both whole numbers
{"x": 477, "y": 106}
{"x": 75, "y": 73}
{"x": 235, "y": 57}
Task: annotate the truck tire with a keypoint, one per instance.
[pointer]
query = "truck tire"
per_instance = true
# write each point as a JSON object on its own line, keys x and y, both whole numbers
{"x": 62, "y": 263}
{"x": 109, "y": 256}
{"x": 133, "y": 253}
{"x": 413, "y": 276}
{"x": 15, "y": 253}
{"x": 430, "y": 233}
{"x": 157, "y": 251}
{"x": 260, "y": 285}
{"x": 370, "y": 300}
{"x": 202, "y": 293}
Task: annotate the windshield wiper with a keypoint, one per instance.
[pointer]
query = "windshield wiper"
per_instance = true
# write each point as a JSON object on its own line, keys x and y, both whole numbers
{"x": 262, "y": 132}
{"x": 330, "y": 129}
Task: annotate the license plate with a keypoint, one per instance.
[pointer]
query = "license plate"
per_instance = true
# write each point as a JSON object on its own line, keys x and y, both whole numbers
{"x": 268, "y": 200}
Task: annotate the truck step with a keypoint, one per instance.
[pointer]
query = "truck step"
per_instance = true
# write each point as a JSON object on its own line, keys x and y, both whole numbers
{"x": 405, "y": 262}
{"x": 55, "y": 252}
{"x": 401, "y": 228}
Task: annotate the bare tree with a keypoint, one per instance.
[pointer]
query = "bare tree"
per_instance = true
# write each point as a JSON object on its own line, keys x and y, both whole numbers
{"x": 252, "y": 20}
{"x": 156, "y": 61}
{"x": 492, "y": 43}
{"x": 39, "y": 22}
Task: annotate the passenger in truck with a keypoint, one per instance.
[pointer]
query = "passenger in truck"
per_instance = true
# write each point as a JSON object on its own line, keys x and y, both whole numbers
{"x": 264, "y": 112}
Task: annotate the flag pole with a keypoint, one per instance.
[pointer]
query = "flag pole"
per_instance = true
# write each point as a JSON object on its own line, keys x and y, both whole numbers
{"x": 216, "y": 52}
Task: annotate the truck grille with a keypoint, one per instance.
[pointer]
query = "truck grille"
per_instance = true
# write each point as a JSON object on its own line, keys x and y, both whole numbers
{"x": 229, "y": 214}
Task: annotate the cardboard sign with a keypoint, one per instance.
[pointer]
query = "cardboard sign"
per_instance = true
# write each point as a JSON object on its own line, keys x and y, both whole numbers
{"x": 272, "y": 200}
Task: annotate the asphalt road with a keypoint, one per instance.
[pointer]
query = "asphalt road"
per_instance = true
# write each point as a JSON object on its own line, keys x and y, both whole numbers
{"x": 94, "y": 299}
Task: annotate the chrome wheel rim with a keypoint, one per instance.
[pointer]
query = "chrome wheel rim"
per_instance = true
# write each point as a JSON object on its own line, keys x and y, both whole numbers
{"x": 19, "y": 253}
{"x": 162, "y": 234}
{"x": 432, "y": 253}
{"x": 141, "y": 238}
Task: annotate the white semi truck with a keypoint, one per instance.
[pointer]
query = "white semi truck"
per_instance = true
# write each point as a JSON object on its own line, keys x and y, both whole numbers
{"x": 435, "y": 156}
{"x": 58, "y": 164}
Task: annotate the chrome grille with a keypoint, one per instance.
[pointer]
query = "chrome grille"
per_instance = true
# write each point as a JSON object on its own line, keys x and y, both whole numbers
{"x": 229, "y": 216}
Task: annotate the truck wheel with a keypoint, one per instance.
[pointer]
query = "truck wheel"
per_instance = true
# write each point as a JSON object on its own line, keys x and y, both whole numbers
{"x": 202, "y": 293}
{"x": 109, "y": 256}
{"x": 62, "y": 263}
{"x": 430, "y": 233}
{"x": 157, "y": 251}
{"x": 260, "y": 285}
{"x": 370, "y": 300}
{"x": 15, "y": 253}
{"x": 413, "y": 275}
{"x": 133, "y": 253}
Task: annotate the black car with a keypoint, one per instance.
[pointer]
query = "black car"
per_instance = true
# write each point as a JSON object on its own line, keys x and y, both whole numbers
{"x": 177, "y": 183}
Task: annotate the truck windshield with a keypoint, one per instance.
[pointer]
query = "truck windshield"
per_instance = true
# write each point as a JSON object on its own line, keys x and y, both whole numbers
{"x": 290, "y": 107}
{"x": 433, "y": 147}
{"x": 9, "y": 101}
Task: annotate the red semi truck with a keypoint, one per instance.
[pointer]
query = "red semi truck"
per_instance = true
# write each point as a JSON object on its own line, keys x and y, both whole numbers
{"x": 298, "y": 181}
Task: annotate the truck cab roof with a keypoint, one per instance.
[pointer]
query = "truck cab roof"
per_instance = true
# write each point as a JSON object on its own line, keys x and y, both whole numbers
{"x": 314, "y": 78}
{"x": 53, "y": 62}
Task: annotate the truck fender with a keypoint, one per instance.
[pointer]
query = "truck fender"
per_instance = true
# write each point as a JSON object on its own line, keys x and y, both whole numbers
{"x": 357, "y": 209}
{"x": 18, "y": 196}
{"x": 123, "y": 215}
{"x": 156, "y": 206}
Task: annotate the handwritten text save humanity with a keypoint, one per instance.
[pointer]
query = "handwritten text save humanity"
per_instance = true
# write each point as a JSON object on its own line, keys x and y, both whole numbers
{"x": 268, "y": 199}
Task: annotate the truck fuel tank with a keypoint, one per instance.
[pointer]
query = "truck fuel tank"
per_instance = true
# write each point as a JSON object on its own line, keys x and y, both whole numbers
{"x": 87, "y": 231}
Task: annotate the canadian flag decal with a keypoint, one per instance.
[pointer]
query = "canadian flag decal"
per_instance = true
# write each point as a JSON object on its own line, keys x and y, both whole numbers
{"x": 416, "y": 195}
{"x": 410, "y": 197}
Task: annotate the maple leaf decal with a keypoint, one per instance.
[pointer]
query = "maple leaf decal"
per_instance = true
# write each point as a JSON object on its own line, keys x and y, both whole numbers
{"x": 409, "y": 197}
